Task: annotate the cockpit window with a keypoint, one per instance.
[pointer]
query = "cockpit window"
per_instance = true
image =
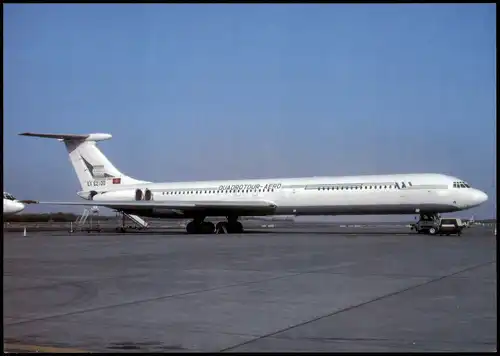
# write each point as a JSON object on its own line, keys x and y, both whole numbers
{"x": 461, "y": 185}
{"x": 8, "y": 196}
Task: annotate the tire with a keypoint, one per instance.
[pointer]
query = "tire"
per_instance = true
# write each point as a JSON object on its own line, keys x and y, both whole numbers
{"x": 191, "y": 228}
{"x": 432, "y": 231}
{"x": 208, "y": 227}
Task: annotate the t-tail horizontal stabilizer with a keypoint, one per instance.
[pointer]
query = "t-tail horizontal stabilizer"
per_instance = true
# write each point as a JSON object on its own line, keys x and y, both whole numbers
{"x": 71, "y": 137}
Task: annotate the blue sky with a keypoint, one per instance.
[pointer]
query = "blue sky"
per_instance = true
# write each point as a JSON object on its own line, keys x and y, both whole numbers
{"x": 195, "y": 92}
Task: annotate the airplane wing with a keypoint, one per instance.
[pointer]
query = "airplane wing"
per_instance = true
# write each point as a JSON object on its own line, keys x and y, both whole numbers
{"x": 247, "y": 206}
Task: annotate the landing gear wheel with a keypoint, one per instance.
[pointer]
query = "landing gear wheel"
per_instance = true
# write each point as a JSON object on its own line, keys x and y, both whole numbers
{"x": 191, "y": 228}
{"x": 204, "y": 227}
{"x": 235, "y": 227}
{"x": 207, "y": 227}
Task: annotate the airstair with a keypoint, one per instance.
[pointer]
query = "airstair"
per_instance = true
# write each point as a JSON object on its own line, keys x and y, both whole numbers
{"x": 138, "y": 222}
{"x": 85, "y": 222}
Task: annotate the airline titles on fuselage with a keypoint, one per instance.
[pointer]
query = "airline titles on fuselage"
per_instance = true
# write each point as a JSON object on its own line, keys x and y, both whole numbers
{"x": 250, "y": 186}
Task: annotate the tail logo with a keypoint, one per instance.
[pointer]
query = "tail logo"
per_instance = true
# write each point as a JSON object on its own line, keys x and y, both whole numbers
{"x": 97, "y": 171}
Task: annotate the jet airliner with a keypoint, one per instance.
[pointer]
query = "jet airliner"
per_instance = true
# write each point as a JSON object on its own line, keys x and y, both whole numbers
{"x": 427, "y": 194}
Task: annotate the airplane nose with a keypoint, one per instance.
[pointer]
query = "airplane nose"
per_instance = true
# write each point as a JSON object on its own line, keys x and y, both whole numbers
{"x": 19, "y": 207}
{"x": 480, "y": 197}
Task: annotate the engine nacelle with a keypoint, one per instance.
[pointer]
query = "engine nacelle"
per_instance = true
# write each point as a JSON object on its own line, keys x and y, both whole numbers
{"x": 127, "y": 195}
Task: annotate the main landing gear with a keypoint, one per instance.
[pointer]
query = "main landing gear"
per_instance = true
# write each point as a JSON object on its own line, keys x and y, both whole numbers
{"x": 199, "y": 226}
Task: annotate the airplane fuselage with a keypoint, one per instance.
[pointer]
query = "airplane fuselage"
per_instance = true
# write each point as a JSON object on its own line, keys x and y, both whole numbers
{"x": 350, "y": 195}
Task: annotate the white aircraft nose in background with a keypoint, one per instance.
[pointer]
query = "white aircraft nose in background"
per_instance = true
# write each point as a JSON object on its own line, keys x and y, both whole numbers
{"x": 11, "y": 205}
{"x": 18, "y": 207}
{"x": 478, "y": 197}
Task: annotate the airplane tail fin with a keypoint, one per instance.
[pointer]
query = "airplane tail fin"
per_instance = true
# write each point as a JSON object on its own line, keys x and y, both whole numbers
{"x": 92, "y": 167}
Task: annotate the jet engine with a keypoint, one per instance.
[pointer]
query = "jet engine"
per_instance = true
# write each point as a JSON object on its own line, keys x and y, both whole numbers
{"x": 128, "y": 195}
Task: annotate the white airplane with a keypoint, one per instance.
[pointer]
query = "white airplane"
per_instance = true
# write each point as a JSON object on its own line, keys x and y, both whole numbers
{"x": 11, "y": 205}
{"x": 104, "y": 185}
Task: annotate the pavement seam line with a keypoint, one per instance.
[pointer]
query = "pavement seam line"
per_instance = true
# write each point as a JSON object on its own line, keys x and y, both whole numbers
{"x": 356, "y": 306}
{"x": 164, "y": 297}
